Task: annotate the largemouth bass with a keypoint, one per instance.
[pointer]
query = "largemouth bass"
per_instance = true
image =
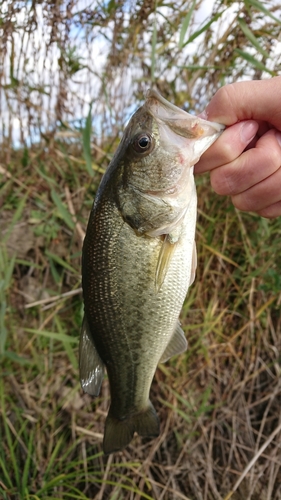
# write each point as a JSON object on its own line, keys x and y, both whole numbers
{"x": 139, "y": 258}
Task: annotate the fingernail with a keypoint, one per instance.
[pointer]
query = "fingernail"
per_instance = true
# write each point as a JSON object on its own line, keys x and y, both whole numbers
{"x": 248, "y": 131}
{"x": 203, "y": 115}
{"x": 278, "y": 137}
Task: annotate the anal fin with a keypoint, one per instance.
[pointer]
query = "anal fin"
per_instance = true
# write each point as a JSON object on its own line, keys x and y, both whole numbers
{"x": 177, "y": 344}
{"x": 91, "y": 367}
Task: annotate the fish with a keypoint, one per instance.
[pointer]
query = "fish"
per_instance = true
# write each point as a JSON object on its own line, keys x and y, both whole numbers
{"x": 138, "y": 261}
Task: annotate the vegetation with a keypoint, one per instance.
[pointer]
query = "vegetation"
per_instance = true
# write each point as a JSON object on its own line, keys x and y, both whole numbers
{"x": 219, "y": 403}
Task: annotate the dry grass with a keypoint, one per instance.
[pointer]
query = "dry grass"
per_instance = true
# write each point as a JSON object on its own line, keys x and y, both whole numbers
{"x": 218, "y": 404}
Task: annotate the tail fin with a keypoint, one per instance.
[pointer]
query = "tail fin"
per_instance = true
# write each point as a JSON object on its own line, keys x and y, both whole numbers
{"x": 119, "y": 433}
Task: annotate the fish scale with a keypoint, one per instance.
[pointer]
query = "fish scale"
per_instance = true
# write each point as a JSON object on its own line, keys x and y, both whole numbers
{"x": 138, "y": 261}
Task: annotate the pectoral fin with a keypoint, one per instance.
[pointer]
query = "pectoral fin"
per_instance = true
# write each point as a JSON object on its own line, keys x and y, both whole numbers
{"x": 164, "y": 258}
{"x": 177, "y": 344}
{"x": 90, "y": 364}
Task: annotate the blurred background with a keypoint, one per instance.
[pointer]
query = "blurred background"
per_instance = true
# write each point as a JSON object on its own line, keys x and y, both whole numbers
{"x": 71, "y": 74}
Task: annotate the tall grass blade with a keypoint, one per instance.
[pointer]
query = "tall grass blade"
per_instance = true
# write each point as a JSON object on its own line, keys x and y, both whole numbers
{"x": 6, "y": 270}
{"x": 153, "y": 45}
{"x": 61, "y": 262}
{"x": 253, "y": 61}
{"x": 204, "y": 28}
{"x": 186, "y": 23}
{"x": 55, "y": 452}
{"x": 67, "y": 345}
{"x": 260, "y": 6}
{"x": 63, "y": 213}
{"x": 61, "y": 337}
{"x": 11, "y": 444}
{"x": 26, "y": 474}
{"x": 86, "y": 137}
{"x": 4, "y": 467}
{"x": 251, "y": 37}
{"x": 16, "y": 217}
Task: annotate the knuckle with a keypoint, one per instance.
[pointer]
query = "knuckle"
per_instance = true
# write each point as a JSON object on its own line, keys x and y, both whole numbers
{"x": 242, "y": 203}
{"x": 267, "y": 213}
{"x": 227, "y": 152}
{"x": 272, "y": 211}
{"x": 226, "y": 98}
{"x": 221, "y": 181}
{"x": 275, "y": 155}
{"x": 270, "y": 150}
{"x": 226, "y": 94}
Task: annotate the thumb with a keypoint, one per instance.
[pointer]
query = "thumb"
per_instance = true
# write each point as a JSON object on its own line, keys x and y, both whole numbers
{"x": 251, "y": 100}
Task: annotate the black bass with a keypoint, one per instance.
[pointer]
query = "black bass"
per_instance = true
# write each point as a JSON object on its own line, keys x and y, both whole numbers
{"x": 139, "y": 258}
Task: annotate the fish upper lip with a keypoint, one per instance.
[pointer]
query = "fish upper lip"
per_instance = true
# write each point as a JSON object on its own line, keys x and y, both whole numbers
{"x": 153, "y": 93}
{"x": 180, "y": 113}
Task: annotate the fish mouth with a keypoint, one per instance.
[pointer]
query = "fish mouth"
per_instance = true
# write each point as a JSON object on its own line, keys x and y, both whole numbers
{"x": 181, "y": 122}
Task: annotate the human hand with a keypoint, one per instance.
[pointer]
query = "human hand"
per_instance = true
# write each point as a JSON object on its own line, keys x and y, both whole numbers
{"x": 245, "y": 162}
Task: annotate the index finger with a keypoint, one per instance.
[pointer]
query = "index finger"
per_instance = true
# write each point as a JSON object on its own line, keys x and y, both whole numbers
{"x": 228, "y": 146}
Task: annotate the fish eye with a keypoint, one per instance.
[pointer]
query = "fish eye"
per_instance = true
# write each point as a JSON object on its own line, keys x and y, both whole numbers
{"x": 142, "y": 143}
